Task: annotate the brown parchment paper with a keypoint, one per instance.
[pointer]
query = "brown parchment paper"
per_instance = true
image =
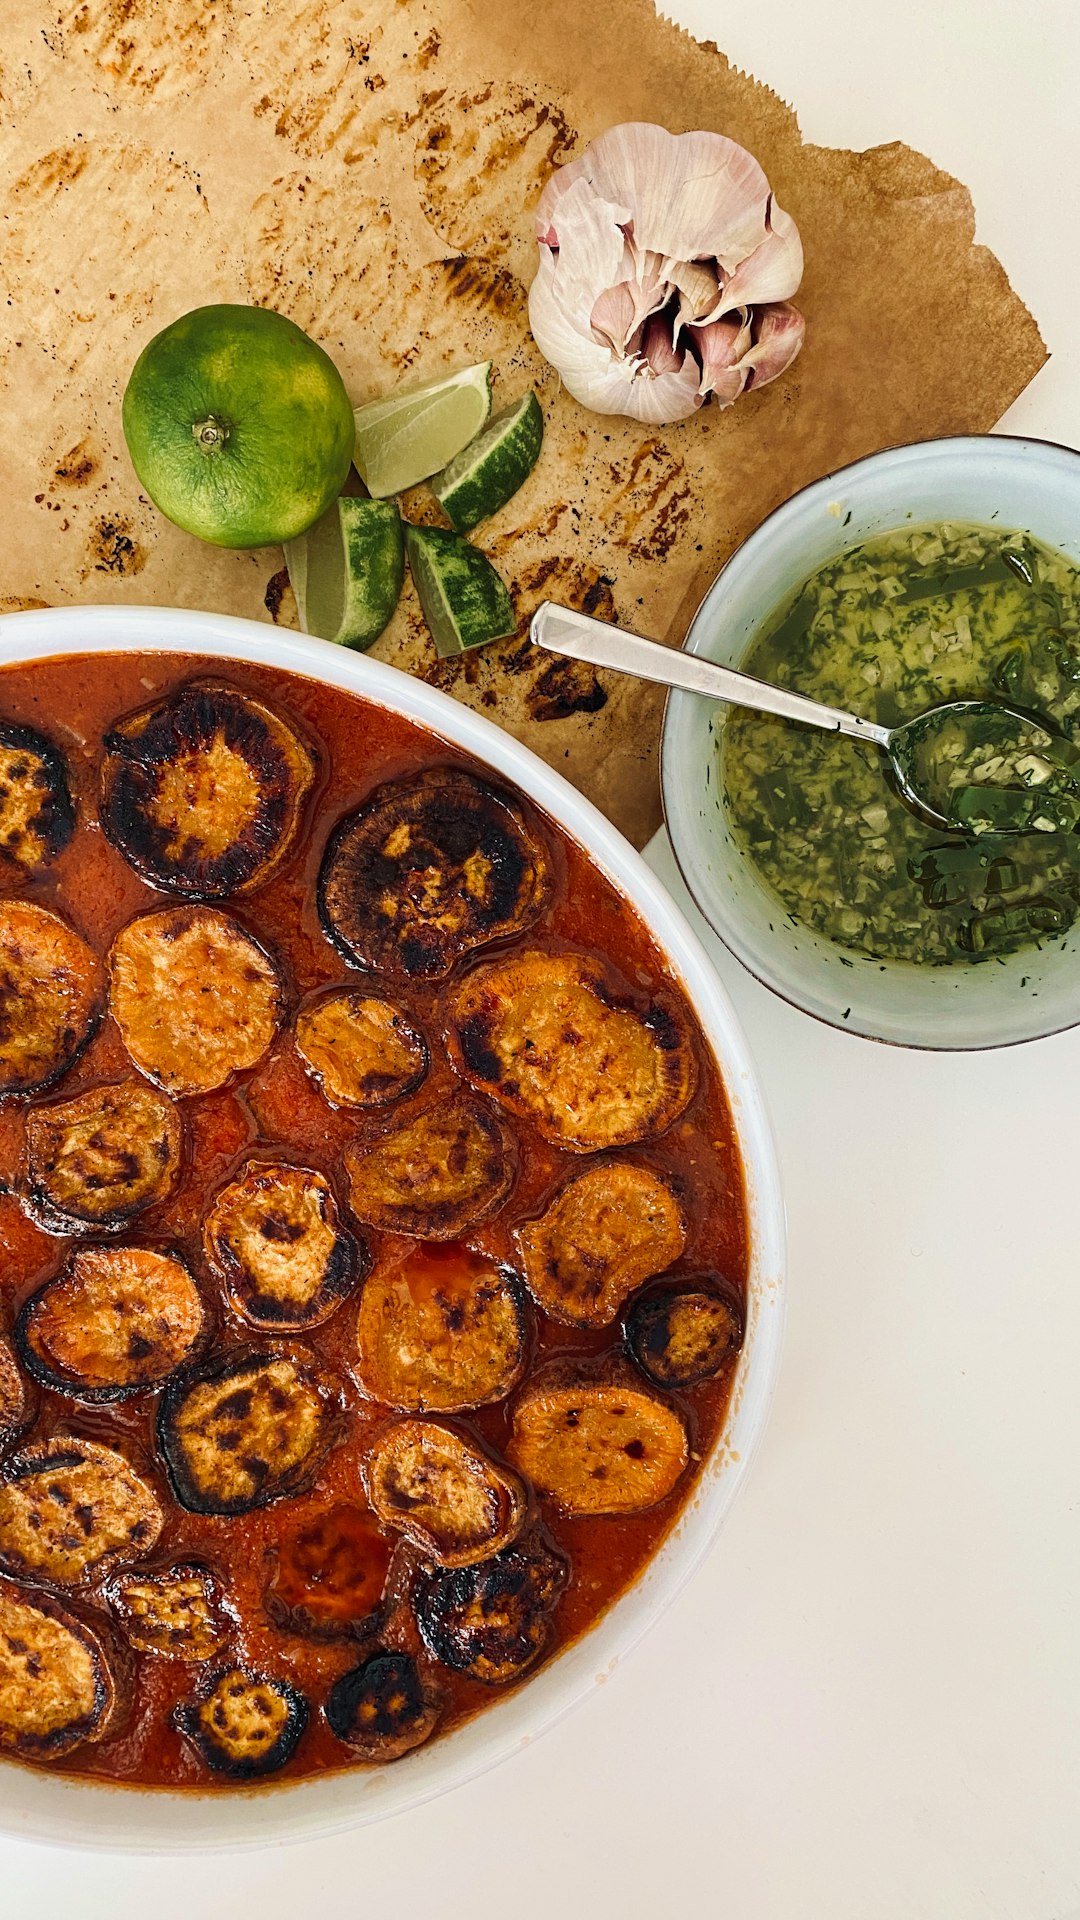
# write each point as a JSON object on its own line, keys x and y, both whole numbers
{"x": 369, "y": 167}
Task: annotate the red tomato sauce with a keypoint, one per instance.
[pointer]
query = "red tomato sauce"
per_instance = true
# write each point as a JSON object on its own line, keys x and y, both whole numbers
{"x": 277, "y": 1107}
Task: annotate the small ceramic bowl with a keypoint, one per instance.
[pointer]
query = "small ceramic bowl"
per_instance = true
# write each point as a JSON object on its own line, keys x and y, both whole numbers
{"x": 1022, "y": 485}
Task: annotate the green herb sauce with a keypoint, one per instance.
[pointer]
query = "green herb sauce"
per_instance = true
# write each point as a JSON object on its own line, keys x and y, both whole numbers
{"x": 888, "y": 630}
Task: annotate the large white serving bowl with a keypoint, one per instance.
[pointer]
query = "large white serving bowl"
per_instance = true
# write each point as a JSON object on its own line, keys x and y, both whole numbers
{"x": 35, "y": 1804}
{"x": 1017, "y": 485}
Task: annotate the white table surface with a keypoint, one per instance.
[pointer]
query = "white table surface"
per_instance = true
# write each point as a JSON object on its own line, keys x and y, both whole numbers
{"x": 867, "y": 1704}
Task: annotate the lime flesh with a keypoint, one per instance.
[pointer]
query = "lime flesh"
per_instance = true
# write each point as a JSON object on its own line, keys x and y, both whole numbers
{"x": 347, "y": 571}
{"x": 402, "y": 440}
{"x": 238, "y": 426}
{"x": 489, "y": 471}
{"x": 464, "y": 601}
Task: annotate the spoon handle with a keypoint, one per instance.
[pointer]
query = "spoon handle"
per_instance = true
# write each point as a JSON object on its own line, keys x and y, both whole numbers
{"x": 561, "y": 630}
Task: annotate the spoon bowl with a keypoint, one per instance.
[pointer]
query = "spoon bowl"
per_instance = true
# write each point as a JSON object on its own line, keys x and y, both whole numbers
{"x": 1007, "y": 772}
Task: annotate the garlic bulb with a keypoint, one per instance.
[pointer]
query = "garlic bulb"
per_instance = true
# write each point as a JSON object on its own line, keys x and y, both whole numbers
{"x": 665, "y": 274}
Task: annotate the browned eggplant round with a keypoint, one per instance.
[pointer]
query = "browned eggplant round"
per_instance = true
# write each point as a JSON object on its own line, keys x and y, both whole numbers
{"x": 329, "y": 1574}
{"x": 94, "y": 1162}
{"x": 243, "y": 1724}
{"x": 685, "y": 1332}
{"x": 381, "y": 1709}
{"x": 116, "y": 1321}
{"x": 37, "y": 815}
{"x": 274, "y": 1238}
{"x": 203, "y": 792}
{"x": 433, "y": 1174}
{"x": 70, "y": 1508}
{"x": 428, "y": 869}
{"x": 362, "y": 1052}
{"x": 612, "y": 1227}
{"x": 597, "y": 1444}
{"x": 15, "y": 1409}
{"x": 195, "y": 997}
{"x": 52, "y": 991}
{"x": 440, "y": 1329}
{"x": 491, "y": 1621}
{"x": 178, "y": 1613}
{"x": 444, "y": 1493}
{"x": 558, "y": 1039}
{"x": 245, "y": 1429}
{"x": 56, "y": 1690}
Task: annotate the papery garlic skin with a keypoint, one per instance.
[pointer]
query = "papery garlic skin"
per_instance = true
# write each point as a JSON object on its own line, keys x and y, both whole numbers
{"x": 666, "y": 271}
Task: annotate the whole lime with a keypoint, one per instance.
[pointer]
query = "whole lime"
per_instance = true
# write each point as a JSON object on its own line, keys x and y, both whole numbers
{"x": 238, "y": 426}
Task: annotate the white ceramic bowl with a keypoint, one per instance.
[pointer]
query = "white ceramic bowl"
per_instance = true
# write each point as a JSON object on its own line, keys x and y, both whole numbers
{"x": 37, "y": 1805}
{"x": 1025, "y": 485}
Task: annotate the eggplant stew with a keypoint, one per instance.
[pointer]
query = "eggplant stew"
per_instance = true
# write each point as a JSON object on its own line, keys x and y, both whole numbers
{"x": 373, "y": 1241}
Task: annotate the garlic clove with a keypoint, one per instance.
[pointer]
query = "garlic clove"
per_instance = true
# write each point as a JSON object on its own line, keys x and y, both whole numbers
{"x": 614, "y": 316}
{"x": 745, "y": 349}
{"x": 621, "y": 310}
{"x": 698, "y": 283}
{"x": 718, "y": 345}
{"x": 772, "y": 272}
{"x": 660, "y": 349}
{"x": 778, "y": 335}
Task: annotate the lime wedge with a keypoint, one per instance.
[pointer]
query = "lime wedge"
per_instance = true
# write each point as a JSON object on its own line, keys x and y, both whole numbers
{"x": 487, "y": 472}
{"x": 347, "y": 570}
{"x": 464, "y": 600}
{"x": 401, "y": 440}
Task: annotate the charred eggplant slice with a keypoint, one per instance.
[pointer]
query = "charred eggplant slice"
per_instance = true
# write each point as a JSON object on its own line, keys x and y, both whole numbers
{"x": 203, "y": 791}
{"x": 361, "y": 1051}
{"x": 445, "y": 1494}
{"x": 37, "y": 817}
{"x": 243, "y": 1724}
{"x": 56, "y": 1691}
{"x": 604, "y": 1233}
{"x": 491, "y": 1621}
{"x": 116, "y": 1321}
{"x": 52, "y": 991}
{"x": 597, "y": 1445}
{"x": 381, "y": 1708}
{"x": 244, "y": 1430}
{"x": 195, "y": 997}
{"x": 330, "y": 1574}
{"x": 69, "y": 1507}
{"x": 14, "y": 1399}
{"x": 178, "y": 1613}
{"x": 98, "y": 1160}
{"x": 429, "y": 869}
{"x": 684, "y": 1333}
{"x": 441, "y": 1329}
{"x": 433, "y": 1174}
{"x": 557, "y": 1039}
{"x": 274, "y": 1237}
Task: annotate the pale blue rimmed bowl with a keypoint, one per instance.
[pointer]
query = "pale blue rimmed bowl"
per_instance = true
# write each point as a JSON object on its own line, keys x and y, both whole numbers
{"x": 1019, "y": 485}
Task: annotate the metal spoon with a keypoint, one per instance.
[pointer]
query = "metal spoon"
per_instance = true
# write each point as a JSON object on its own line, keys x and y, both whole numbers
{"x": 562, "y": 630}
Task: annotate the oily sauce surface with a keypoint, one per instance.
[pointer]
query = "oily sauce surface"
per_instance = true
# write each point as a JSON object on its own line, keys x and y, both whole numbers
{"x": 277, "y": 1110}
